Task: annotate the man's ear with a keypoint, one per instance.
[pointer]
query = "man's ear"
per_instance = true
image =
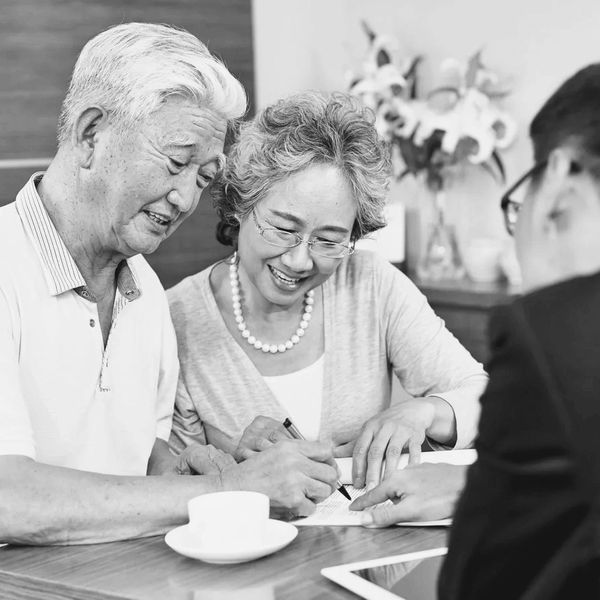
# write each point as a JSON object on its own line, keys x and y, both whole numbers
{"x": 559, "y": 164}
{"x": 561, "y": 189}
{"x": 85, "y": 132}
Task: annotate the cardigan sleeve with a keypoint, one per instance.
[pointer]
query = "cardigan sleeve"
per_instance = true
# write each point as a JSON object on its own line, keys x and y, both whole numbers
{"x": 426, "y": 357}
{"x": 187, "y": 428}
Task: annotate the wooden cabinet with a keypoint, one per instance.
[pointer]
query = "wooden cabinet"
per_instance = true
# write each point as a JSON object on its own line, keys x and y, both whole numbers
{"x": 466, "y": 307}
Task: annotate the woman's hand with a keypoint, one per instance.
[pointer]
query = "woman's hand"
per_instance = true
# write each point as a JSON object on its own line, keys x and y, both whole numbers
{"x": 426, "y": 492}
{"x": 261, "y": 434}
{"x": 403, "y": 425}
{"x": 199, "y": 459}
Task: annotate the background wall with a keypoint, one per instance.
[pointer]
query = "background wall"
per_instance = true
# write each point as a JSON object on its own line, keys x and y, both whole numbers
{"x": 302, "y": 44}
{"x": 39, "y": 43}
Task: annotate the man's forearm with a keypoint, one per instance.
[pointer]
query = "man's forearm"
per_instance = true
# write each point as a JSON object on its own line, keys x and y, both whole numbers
{"x": 42, "y": 504}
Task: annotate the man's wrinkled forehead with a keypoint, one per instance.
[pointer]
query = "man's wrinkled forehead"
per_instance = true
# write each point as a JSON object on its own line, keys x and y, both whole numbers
{"x": 180, "y": 141}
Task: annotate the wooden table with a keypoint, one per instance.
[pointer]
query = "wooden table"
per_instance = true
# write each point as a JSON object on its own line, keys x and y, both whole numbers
{"x": 149, "y": 569}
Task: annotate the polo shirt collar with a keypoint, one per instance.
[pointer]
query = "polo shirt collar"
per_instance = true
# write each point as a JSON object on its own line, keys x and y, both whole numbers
{"x": 60, "y": 270}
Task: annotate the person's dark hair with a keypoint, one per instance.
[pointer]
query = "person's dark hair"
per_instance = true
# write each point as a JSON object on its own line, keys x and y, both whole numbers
{"x": 571, "y": 116}
{"x": 293, "y": 134}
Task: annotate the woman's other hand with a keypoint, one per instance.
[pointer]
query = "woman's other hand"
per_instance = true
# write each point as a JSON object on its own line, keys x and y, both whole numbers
{"x": 200, "y": 459}
{"x": 426, "y": 492}
{"x": 402, "y": 426}
{"x": 261, "y": 434}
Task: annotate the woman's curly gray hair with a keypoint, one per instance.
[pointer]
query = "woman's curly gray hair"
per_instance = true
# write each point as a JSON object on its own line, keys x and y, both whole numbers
{"x": 293, "y": 134}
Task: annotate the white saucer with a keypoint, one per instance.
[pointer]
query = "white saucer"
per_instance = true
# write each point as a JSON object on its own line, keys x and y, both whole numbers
{"x": 278, "y": 534}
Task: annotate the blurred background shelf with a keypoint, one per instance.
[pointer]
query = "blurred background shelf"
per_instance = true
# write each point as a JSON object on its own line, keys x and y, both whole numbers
{"x": 466, "y": 308}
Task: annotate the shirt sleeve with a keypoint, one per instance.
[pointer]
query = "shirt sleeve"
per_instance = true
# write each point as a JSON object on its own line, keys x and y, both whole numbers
{"x": 16, "y": 436}
{"x": 187, "y": 425}
{"x": 426, "y": 357}
{"x": 167, "y": 383}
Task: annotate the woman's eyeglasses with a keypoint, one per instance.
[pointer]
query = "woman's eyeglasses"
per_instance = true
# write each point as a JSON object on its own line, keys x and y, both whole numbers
{"x": 291, "y": 239}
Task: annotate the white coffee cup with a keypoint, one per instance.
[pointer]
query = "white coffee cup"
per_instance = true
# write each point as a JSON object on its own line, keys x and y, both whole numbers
{"x": 229, "y": 520}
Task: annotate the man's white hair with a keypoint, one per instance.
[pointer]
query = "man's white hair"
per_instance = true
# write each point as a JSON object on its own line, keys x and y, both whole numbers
{"x": 130, "y": 70}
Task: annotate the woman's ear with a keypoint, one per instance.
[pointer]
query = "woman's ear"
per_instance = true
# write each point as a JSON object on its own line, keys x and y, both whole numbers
{"x": 85, "y": 133}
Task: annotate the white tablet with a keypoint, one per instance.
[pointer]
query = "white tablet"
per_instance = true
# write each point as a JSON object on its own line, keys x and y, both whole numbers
{"x": 403, "y": 577}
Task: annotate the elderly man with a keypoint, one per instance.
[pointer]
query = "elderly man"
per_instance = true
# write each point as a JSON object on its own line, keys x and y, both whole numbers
{"x": 88, "y": 364}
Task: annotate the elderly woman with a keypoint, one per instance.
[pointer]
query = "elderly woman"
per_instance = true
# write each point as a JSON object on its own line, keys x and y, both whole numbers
{"x": 298, "y": 324}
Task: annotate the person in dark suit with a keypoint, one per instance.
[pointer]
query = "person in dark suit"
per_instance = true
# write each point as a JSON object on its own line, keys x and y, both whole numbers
{"x": 527, "y": 525}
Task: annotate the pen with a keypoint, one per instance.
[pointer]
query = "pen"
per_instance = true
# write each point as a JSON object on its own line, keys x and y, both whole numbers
{"x": 298, "y": 436}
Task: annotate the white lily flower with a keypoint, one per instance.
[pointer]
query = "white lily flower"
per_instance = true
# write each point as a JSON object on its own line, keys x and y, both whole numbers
{"x": 468, "y": 123}
{"x": 430, "y": 121}
{"x": 475, "y": 116}
{"x": 409, "y": 117}
{"x": 505, "y": 128}
{"x": 455, "y": 71}
{"x": 388, "y": 76}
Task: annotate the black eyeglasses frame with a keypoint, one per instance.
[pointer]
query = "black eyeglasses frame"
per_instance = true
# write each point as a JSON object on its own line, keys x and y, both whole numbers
{"x": 510, "y": 208}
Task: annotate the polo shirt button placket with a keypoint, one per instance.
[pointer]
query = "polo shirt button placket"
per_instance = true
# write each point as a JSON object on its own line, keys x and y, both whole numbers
{"x": 103, "y": 383}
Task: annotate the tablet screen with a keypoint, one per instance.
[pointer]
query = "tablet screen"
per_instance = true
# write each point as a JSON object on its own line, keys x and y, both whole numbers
{"x": 412, "y": 580}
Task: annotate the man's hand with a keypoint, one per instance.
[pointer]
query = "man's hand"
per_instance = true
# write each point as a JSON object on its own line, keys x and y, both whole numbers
{"x": 295, "y": 474}
{"x": 403, "y": 425}
{"x": 199, "y": 459}
{"x": 425, "y": 492}
{"x": 261, "y": 434}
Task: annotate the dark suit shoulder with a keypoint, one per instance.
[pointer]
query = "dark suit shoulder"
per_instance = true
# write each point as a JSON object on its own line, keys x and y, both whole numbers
{"x": 545, "y": 365}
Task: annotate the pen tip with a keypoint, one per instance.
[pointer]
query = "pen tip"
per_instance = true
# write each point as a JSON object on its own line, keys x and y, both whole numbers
{"x": 344, "y": 492}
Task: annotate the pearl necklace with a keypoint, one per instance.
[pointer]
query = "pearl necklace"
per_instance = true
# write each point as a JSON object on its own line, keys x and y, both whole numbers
{"x": 309, "y": 301}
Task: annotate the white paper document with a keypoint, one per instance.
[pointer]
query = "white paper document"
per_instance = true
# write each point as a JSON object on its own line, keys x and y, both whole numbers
{"x": 335, "y": 509}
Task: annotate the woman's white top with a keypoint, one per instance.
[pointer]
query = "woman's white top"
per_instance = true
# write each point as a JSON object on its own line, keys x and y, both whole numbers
{"x": 301, "y": 395}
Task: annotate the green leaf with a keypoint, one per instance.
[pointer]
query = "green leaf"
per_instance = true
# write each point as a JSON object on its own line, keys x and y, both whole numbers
{"x": 370, "y": 33}
{"x": 408, "y": 151}
{"x": 473, "y": 66}
{"x": 499, "y": 174}
{"x": 498, "y": 161}
{"x": 403, "y": 174}
{"x": 487, "y": 167}
{"x": 411, "y": 77}
{"x": 465, "y": 147}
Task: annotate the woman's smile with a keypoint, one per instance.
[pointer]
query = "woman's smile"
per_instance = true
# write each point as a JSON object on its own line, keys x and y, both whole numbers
{"x": 285, "y": 281}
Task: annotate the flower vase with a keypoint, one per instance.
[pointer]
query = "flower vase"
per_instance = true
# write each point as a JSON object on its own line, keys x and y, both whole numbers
{"x": 442, "y": 259}
{"x": 389, "y": 242}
